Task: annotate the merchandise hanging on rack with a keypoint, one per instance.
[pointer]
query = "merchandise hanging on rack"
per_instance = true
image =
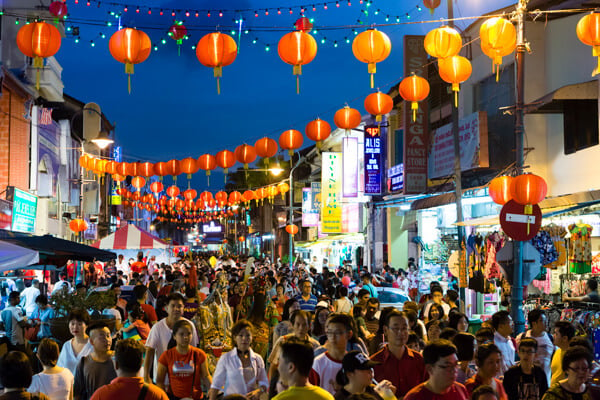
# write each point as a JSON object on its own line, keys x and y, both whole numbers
{"x": 580, "y": 248}
{"x": 557, "y": 234}
{"x": 586, "y": 318}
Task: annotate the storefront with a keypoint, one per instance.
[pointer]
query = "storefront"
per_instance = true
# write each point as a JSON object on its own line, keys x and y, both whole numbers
{"x": 334, "y": 250}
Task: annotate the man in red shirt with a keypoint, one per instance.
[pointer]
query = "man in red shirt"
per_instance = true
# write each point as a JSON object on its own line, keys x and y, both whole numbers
{"x": 441, "y": 363}
{"x": 398, "y": 364}
{"x": 129, "y": 354}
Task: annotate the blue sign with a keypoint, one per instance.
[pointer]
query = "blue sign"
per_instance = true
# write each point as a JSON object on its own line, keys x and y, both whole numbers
{"x": 396, "y": 178}
{"x": 373, "y": 161}
{"x": 116, "y": 154}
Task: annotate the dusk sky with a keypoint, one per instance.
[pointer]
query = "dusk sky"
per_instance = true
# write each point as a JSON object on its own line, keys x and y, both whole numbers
{"x": 174, "y": 110}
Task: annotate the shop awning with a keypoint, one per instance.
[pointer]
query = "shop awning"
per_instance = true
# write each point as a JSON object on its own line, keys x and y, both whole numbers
{"x": 56, "y": 251}
{"x": 344, "y": 237}
{"x": 13, "y": 256}
{"x": 554, "y": 102}
{"x": 130, "y": 237}
{"x": 550, "y": 207}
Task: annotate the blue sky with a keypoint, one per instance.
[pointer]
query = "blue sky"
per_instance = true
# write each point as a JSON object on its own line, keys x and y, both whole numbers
{"x": 174, "y": 111}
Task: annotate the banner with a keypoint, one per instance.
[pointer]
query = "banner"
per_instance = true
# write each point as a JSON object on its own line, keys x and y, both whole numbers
{"x": 350, "y": 161}
{"x": 415, "y": 132}
{"x": 310, "y": 215}
{"x": 331, "y": 192}
{"x": 373, "y": 161}
{"x": 473, "y": 135}
{"x": 395, "y": 178}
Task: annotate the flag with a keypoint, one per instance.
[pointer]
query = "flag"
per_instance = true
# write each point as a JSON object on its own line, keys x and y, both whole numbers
{"x": 46, "y": 116}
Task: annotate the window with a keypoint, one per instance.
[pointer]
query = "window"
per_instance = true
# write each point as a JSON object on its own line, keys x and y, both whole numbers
{"x": 580, "y": 121}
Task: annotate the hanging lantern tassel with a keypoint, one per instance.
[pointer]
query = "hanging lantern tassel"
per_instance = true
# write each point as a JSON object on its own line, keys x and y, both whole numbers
{"x": 372, "y": 70}
{"x": 596, "y": 53}
{"x": 497, "y": 64}
{"x": 225, "y": 171}
{"x": 38, "y": 64}
{"x": 414, "y": 106}
{"x": 298, "y": 72}
{"x": 129, "y": 72}
{"x": 208, "y": 177}
{"x": 179, "y": 42}
{"x": 456, "y": 88}
{"x": 218, "y": 73}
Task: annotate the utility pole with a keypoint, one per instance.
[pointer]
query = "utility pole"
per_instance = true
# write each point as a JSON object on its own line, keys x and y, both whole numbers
{"x": 457, "y": 172}
{"x": 517, "y": 288}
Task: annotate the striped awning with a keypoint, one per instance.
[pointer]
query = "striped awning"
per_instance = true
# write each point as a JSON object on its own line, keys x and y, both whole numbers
{"x": 130, "y": 237}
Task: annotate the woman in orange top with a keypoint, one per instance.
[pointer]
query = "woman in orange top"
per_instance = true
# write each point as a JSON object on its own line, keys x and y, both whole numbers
{"x": 184, "y": 364}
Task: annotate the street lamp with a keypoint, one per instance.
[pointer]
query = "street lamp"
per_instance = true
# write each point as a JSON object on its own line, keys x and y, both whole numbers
{"x": 102, "y": 140}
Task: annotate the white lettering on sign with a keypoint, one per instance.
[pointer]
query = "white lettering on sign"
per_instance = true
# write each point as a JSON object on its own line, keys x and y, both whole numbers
{"x": 520, "y": 218}
{"x": 211, "y": 228}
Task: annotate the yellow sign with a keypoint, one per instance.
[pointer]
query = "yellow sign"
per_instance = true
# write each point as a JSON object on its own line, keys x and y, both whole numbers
{"x": 331, "y": 193}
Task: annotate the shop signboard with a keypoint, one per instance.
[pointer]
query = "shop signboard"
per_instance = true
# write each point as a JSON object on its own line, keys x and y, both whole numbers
{"x": 350, "y": 218}
{"x": 331, "y": 192}
{"x": 473, "y": 146}
{"x": 373, "y": 162}
{"x": 519, "y": 223}
{"x": 396, "y": 178}
{"x": 310, "y": 215}
{"x": 91, "y": 233}
{"x": 350, "y": 161}
{"x": 116, "y": 153}
{"x": 23, "y": 211}
{"x": 5, "y": 214}
{"x": 415, "y": 132}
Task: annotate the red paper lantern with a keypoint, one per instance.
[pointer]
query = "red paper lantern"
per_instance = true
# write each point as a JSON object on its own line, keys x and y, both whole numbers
{"x": 318, "y": 130}
{"x": 216, "y": 50}
{"x": 291, "y": 140}
{"x": 431, "y": 4}
{"x": 371, "y": 46}
{"x": 242, "y": 239}
{"x": 129, "y": 46}
{"x": 291, "y": 229}
{"x": 111, "y": 167}
{"x": 303, "y": 24}
{"x": 221, "y": 197}
{"x": 265, "y": 148}
{"x": 189, "y": 166}
{"x": 190, "y": 194}
{"x": 138, "y": 182}
{"x": 455, "y": 70}
{"x": 297, "y": 49}
{"x": 235, "y": 197}
{"x": 500, "y": 189}
{"x": 173, "y": 168}
{"x": 414, "y": 89}
{"x": 118, "y": 178}
{"x": 78, "y": 225}
{"x": 173, "y": 191}
{"x": 38, "y": 40}
{"x": 178, "y": 32}
{"x": 249, "y": 195}
{"x": 161, "y": 169}
{"x": 528, "y": 189}
{"x": 245, "y": 154}
{"x": 378, "y": 104}
{"x": 145, "y": 169}
{"x": 225, "y": 159}
{"x": 347, "y": 118}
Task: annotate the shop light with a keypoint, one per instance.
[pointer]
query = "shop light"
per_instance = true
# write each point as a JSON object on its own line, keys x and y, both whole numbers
{"x": 405, "y": 207}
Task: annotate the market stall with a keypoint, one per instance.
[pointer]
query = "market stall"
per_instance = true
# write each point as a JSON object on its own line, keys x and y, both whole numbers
{"x": 130, "y": 239}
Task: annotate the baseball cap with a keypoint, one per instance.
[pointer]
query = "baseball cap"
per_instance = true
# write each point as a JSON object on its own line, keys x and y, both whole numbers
{"x": 356, "y": 359}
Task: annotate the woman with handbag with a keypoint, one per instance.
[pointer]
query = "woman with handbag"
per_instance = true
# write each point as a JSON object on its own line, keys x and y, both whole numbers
{"x": 184, "y": 364}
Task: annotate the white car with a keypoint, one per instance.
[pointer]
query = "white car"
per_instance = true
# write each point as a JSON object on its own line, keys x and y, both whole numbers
{"x": 389, "y": 297}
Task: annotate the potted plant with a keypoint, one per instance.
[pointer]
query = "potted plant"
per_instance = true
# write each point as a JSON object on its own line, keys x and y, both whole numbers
{"x": 63, "y": 302}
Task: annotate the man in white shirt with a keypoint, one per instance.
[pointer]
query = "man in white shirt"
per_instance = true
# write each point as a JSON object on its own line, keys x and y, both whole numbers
{"x": 14, "y": 320}
{"x": 62, "y": 284}
{"x": 28, "y": 297}
{"x": 503, "y": 325}
{"x": 161, "y": 333}
{"x": 122, "y": 265}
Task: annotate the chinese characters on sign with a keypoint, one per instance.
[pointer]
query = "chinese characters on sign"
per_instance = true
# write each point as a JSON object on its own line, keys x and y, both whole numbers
{"x": 310, "y": 215}
{"x": 373, "y": 149}
{"x": 331, "y": 192}
{"x": 473, "y": 146}
{"x": 396, "y": 178}
{"x": 415, "y": 139}
{"x": 24, "y": 210}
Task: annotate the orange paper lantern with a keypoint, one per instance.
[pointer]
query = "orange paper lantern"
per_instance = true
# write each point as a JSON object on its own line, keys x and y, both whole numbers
{"x": 173, "y": 169}
{"x": 371, "y": 47}
{"x": 500, "y": 189}
{"x": 414, "y": 89}
{"x": 297, "y": 48}
{"x": 291, "y": 229}
{"x": 291, "y": 140}
{"x": 235, "y": 197}
{"x": 156, "y": 187}
{"x": 129, "y": 46}
{"x": 173, "y": 191}
{"x": 138, "y": 182}
{"x": 347, "y": 118}
{"x": 283, "y": 188}
{"x": 189, "y": 166}
{"x": 318, "y": 130}
{"x": 245, "y": 154}
{"x": 38, "y": 40}
{"x": 216, "y": 50}
{"x": 443, "y": 42}
{"x": 588, "y": 31}
{"x": 207, "y": 162}
{"x": 225, "y": 159}
{"x": 265, "y": 148}
{"x": 111, "y": 167}
{"x": 190, "y": 194}
{"x": 528, "y": 189}
{"x": 118, "y": 178}
{"x": 145, "y": 169}
{"x": 498, "y": 38}
{"x": 242, "y": 239}
{"x": 161, "y": 169}
{"x": 221, "y": 197}
{"x": 378, "y": 104}
{"x": 123, "y": 168}
{"x": 78, "y": 225}
{"x": 455, "y": 70}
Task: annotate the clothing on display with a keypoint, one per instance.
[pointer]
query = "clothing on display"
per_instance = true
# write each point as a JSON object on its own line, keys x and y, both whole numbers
{"x": 580, "y": 248}
{"x": 557, "y": 234}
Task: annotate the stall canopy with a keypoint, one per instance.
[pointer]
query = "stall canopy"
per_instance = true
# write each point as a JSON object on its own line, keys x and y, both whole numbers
{"x": 56, "y": 251}
{"x": 13, "y": 256}
{"x": 130, "y": 237}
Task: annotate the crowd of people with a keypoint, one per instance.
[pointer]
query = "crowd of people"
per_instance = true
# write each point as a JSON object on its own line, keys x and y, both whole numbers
{"x": 283, "y": 333}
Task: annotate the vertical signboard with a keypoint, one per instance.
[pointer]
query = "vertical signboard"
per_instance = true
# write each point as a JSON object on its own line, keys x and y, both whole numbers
{"x": 5, "y": 215}
{"x": 331, "y": 192}
{"x": 350, "y": 217}
{"x": 373, "y": 149}
{"x": 310, "y": 215}
{"x": 415, "y": 132}
{"x": 396, "y": 178}
{"x": 24, "y": 210}
{"x": 350, "y": 161}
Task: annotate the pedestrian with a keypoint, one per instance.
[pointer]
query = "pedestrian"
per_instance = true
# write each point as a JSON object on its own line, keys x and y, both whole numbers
{"x": 564, "y": 331}
{"x": 28, "y": 296}
{"x": 543, "y": 353}
{"x": 525, "y": 380}
{"x": 15, "y": 322}
{"x": 74, "y": 349}
{"x": 54, "y": 381}
{"x": 489, "y": 365}
{"x": 503, "y": 327}
{"x": 576, "y": 364}
{"x": 356, "y": 377}
{"x": 15, "y": 376}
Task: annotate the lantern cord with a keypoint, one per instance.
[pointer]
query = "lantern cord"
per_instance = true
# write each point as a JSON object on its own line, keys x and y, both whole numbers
{"x": 297, "y": 84}
{"x": 37, "y": 78}
{"x": 218, "y": 85}
{"x": 129, "y": 83}
{"x": 372, "y": 81}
